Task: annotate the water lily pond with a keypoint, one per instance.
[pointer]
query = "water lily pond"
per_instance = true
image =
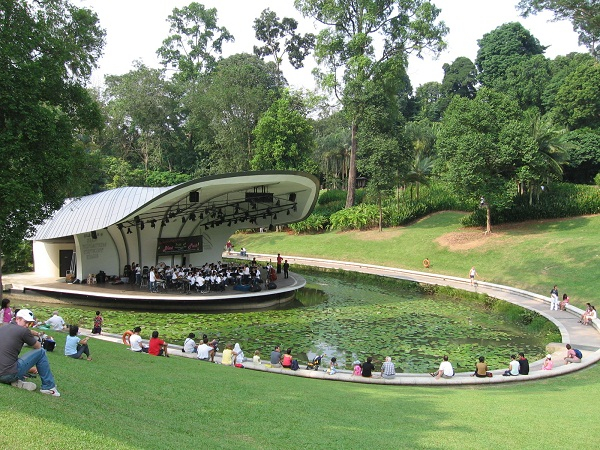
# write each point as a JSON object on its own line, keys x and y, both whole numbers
{"x": 350, "y": 318}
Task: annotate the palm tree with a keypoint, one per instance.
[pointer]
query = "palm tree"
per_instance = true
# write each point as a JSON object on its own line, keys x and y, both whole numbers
{"x": 552, "y": 146}
{"x": 420, "y": 171}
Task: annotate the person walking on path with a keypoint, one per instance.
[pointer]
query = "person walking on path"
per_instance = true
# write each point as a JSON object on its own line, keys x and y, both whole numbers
{"x": 13, "y": 368}
{"x": 554, "y": 298}
{"x": 472, "y": 275}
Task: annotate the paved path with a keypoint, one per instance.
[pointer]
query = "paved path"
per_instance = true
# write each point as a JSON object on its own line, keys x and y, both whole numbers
{"x": 587, "y": 339}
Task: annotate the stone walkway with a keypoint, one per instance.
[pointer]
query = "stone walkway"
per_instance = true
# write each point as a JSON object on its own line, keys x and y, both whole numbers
{"x": 587, "y": 339}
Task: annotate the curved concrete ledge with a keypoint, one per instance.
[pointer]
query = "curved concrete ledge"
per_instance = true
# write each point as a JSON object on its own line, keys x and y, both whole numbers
{"x": 587, "y": 339}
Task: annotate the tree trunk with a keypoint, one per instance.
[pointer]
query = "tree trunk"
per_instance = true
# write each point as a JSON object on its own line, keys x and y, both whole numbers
{"x": 352, "y": 168}
{"x": 380, "y": 213}
{"x": 488, "y": 224}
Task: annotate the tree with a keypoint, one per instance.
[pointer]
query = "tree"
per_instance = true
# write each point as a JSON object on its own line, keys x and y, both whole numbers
{"x": 238, "y": 92}
{"x": 144, "y": 121}
{"x": 578, "y": 98}
{"x": 195, "y": 41}
{"x": 332, "y": 142}
{"x": 503, "y": 48}
{"x": 48, "y": 50}
{"x": 583, "y": 14}
{"x": 552, "y": 153}
{"x": 584, "y": 156}
{"x": 460, "y": 78}
{"x": 284, "y": 137}
{"x": 350, "y": 59}
{"x": 481, "y": 145}
{"x": 280, "y": 38}
{"x": 428, "y": 101}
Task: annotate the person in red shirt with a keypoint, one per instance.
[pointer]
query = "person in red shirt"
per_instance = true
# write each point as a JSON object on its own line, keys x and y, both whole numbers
{"x": 279, "y": 261}
{"x": 157, "y": 347}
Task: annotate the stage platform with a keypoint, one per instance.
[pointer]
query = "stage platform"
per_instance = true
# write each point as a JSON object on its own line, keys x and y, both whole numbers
{"x": 132, "y": 296}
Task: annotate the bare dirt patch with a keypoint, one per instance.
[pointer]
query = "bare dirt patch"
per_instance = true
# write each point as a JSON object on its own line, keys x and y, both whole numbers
{"x": 467, "y": 240}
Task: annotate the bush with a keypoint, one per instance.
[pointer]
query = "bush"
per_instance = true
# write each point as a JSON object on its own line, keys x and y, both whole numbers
{"x": 358, "y": 217}
{"x": 314, "y": 223}
{"x": 558, "y": 201}
{"x": 597, "y": 179}
{"x": 21, "y": 260}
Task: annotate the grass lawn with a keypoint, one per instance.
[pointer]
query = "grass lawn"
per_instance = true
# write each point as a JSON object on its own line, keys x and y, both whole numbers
{"x": 533, "y": 256}
{"x": 122, "y": 400}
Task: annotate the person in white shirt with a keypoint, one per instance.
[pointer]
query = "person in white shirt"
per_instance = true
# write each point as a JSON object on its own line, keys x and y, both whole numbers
{"x": 205, "y": 351}
{"x": 135, "y": 341}
{"x": 446, "y": 370}
{"x": 56, "y": 322}
{"x": 152, "y": 280}
{"x": 189, "y": 346}
{"x": 513, "y": 367}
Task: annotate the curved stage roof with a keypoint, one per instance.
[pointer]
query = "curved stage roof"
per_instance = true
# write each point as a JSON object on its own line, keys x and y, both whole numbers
{"x": 247, "y": 196}
{"x": 184, "y": 224}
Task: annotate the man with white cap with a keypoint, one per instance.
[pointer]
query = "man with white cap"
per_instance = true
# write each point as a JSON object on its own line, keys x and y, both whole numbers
{"x": 13, "y": 368}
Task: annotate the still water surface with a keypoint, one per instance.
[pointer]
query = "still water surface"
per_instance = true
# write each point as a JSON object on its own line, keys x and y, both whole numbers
{"x": 350, "y": 320}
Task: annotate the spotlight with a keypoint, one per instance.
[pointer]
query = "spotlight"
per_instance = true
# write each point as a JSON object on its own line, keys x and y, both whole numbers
{"x": 166, "y": 220}
{"x": 142, "y": 225}
{"x": 128, "y": 230}
{"x": 119, "y": 226}
{"x": 264, "y": 215}
{"x": 206, "y": 227}
{"x": 229, "y": 223}
{"x": 192, "y": 217}
{"x": 295, "y": 208}
{"x": 163, "y": 223}
{"x": 153, "y": 223}
{"x": 277, "y": 203}
{"x": 183, "y": 219}
{"x": 288, "y": 212}
{"x": 201, "y": 216}
{"x": 275, "y": 216}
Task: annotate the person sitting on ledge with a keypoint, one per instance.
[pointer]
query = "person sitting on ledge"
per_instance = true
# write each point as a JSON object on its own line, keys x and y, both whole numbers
{"x": 513, "y": 367}
{"x": 135, "y": 341}
{"x": 157, "y": 347}
{"x": 481, "y": 369}
{"x": 573, "y": 355}
{"x": 446, "y": 370}
{"x": 286, "y": 362}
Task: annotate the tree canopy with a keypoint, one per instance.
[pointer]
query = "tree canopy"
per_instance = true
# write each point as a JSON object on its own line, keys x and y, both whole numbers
{"x": 47, "y": 51}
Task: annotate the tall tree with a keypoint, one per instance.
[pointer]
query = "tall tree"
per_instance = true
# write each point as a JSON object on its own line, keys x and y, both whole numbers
{"x": 284, "y": 137}
{"x": 195, "y": 41}
{"x": 364, "y": 40}
{"x": 47, "y": 52}
{"x": 460, "y": 78}
{"x": 280, "y": 38}
{"x": 144, "y": 124}
{"x": 503, "y": 48}
{"x": 578, "y": 98}
{"x": 583, "y": 14}
{"x": 482, "y": 143}
{"x": 428, "y": 101}
{"x": 239, "y": 91}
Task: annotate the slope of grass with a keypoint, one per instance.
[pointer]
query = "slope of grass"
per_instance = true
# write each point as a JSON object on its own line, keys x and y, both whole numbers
{"x": 122, "y": 400}
{"x": 533, "y": 256}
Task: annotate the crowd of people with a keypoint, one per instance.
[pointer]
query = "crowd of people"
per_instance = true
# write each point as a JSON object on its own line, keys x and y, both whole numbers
{"x": 213, "y": 277}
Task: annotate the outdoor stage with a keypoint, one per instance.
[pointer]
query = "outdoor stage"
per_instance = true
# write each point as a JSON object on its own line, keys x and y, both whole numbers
{"x": 133, "y": 296}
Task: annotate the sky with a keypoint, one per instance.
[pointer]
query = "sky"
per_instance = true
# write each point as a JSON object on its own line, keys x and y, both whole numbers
{"x": 135, "y": 29}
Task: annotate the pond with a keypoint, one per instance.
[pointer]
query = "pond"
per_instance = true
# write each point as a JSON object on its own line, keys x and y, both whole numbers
{"x": 349, "y": 318}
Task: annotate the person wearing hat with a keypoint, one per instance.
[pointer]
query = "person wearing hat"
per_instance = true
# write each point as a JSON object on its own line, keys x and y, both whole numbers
{"x": 13, "y": 368}
{"x": 547, "y": 363}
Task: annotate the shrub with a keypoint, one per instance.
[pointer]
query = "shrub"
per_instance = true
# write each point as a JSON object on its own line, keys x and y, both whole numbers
{"x": 356, "y": 218}
{"x": 314, "y": 223}
{"x": 559, "y": 200}
{"x": 597, "y": 179}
